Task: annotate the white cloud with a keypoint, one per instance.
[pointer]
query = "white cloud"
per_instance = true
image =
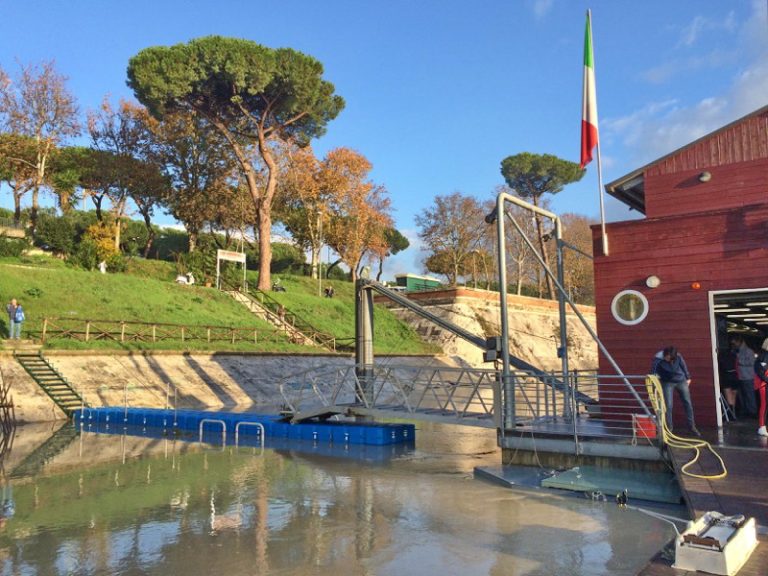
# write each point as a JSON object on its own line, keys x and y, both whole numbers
{"x": 700, "y": 25}
{"x": 661, "y": 127}
{"x": 541, "y": 8}
{"x": 671, "y": 68}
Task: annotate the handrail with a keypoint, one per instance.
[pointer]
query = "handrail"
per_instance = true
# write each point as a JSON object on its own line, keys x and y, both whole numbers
{"x": 214, "y": 421}
{"x": 95, "y": 329}
{"x": 11, "y": 223}
{"x": 260, "y": 427}
{"x": 484, "y": 344}
{"x": 296, "y": 321}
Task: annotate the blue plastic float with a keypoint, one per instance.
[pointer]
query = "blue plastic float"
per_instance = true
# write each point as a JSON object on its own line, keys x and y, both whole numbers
{"x": 369, "y": 434}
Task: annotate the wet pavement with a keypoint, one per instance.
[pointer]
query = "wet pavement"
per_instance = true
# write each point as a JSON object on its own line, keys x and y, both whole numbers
{"x": 743, "y": 491}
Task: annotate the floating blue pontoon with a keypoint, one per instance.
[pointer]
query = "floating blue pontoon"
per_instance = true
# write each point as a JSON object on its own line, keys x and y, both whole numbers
{"x": 274, "y": 427}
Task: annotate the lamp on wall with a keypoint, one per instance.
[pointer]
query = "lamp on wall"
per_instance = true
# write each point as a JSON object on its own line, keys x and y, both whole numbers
{"x": 652, "y": 282}
{"x": 705, "y": 176}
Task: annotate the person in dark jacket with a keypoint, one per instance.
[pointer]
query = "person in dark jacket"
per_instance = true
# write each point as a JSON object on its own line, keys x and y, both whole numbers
{"x": 729, "y": 382}
{"x": 761, "y": 382}
{"x": 745, "y": 372}
{"x": 673, "y": 373}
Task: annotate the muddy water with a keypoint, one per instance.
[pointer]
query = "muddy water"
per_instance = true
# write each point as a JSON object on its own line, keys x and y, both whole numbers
{"x": 117, "y": 505}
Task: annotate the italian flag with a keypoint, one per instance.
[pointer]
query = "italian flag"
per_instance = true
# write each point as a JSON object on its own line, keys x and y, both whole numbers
{"x": 589, "y": 100}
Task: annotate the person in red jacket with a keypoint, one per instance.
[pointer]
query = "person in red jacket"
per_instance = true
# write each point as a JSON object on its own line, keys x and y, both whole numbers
{"x": 761, "y": 381}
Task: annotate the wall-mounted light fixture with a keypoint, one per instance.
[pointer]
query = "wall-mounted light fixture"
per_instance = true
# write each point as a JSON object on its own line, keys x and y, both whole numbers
{"x": 696, "y": 285}
{"x": 652, "y": 282}
{"x": 705, "y": 176}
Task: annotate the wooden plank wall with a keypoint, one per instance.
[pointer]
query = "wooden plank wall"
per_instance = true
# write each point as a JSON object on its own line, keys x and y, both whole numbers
{"x": 731, "y": 186}
{"x": 721, "y": 250}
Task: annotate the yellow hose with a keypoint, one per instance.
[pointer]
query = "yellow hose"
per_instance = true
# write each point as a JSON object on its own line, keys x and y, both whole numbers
{"x": 656, "y": 396}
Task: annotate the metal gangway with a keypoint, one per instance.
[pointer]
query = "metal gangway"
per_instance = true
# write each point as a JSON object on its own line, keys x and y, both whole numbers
{"x": 472, "y": 397}
{"x": 513, "y": 396}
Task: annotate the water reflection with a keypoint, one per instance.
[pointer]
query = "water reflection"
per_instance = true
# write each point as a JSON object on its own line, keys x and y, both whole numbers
{"x": 128, "y": 505}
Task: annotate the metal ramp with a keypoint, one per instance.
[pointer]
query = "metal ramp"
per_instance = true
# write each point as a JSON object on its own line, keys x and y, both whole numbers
{"x": 454, "y": 395}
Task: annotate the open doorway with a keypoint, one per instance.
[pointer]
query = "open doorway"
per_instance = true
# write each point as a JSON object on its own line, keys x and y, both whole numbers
{"x": 739, "y": 320}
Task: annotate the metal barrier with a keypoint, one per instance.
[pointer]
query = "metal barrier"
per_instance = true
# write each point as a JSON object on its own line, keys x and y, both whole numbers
{"x": 258, "y": 425}
{"x": 441, "y": 393}
{"x": 214, "y": 421}
{"x": 600, "y": 405}
{"x": 615, "y": 413}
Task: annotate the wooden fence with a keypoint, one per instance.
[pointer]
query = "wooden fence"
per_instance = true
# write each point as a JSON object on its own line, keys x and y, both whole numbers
{"x": 128, "y": 331}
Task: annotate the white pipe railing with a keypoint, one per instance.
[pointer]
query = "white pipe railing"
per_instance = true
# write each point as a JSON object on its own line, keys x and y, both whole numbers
{"x": 258, "y": 425}
{"x": 214, "y": 421}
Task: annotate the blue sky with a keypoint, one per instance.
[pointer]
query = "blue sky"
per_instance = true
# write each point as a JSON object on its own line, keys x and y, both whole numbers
{"x": 438, "y": 92}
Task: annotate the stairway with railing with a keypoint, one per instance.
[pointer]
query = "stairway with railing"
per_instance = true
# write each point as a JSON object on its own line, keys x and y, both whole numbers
{"x": 51, "y": 381}
{"x": 298, "y": 329}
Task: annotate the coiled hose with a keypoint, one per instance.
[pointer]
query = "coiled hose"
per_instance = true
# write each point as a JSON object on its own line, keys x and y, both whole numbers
{"x": 656, "y": 396}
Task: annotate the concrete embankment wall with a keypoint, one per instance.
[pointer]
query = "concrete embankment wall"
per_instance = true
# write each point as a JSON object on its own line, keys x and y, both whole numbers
{"x": 221, "y": 380}
{"x": 534, "y": 326}
{"x": 193, "y": 381}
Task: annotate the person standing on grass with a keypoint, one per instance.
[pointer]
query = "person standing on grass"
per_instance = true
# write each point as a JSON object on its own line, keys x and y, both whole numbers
{"x": 673, "y": 373}
{"x": 15, "y": 319}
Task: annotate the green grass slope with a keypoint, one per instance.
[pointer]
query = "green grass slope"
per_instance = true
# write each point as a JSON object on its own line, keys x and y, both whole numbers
{"x": 337, "y": 315}
{"x": 147, "y": 293}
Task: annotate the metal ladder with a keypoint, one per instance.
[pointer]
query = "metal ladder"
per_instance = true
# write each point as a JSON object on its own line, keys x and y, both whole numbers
{"x": 51, "y": 381}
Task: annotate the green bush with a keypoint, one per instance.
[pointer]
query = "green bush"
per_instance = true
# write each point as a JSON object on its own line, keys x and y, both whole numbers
{"x": 12, "y": 246}
{"x": 116, "y": 263}
{"x": 133, "y": 237}
{"x": 86, "y": 255}
{"x": 55, "y": 233}
{"x": 287, "y": 259}
{"x": 170, "y": 242}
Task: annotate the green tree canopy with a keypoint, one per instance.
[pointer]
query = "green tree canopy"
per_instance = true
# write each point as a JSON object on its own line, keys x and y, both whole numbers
{"x": 250, "y": 94}
{"x": 533, "y": 175}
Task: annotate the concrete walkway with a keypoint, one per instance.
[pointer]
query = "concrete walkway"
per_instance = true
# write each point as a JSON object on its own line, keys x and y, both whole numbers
{"x": 743, "y": 491}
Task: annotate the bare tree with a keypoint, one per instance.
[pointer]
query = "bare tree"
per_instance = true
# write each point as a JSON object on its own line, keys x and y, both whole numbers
{"x": 451, "y": 229}
{"x": 39, "y": 106}
{"x": 579, "y": 273}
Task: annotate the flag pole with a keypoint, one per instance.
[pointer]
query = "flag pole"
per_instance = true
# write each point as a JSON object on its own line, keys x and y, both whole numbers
{"x": 590, "y": 137}
{"x": 599, "y": 159}
{"x": 602, "y": 204}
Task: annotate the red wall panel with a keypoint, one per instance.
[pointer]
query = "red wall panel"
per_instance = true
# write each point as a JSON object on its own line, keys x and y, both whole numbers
{"x": 731, "y": 186}
{"x": 722, "y": 250}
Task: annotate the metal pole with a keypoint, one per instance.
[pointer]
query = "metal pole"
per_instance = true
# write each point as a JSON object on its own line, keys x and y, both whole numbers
{"x": 573, "y": 306}
{"x": 320, "y": 258}
{"x": 364, "y": 340}
{"x": 506, "y": 376}
{"x": 562, "y": 351}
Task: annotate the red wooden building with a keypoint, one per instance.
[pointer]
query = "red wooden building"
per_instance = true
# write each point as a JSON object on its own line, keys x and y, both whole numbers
{"x": 696, "y": 267}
